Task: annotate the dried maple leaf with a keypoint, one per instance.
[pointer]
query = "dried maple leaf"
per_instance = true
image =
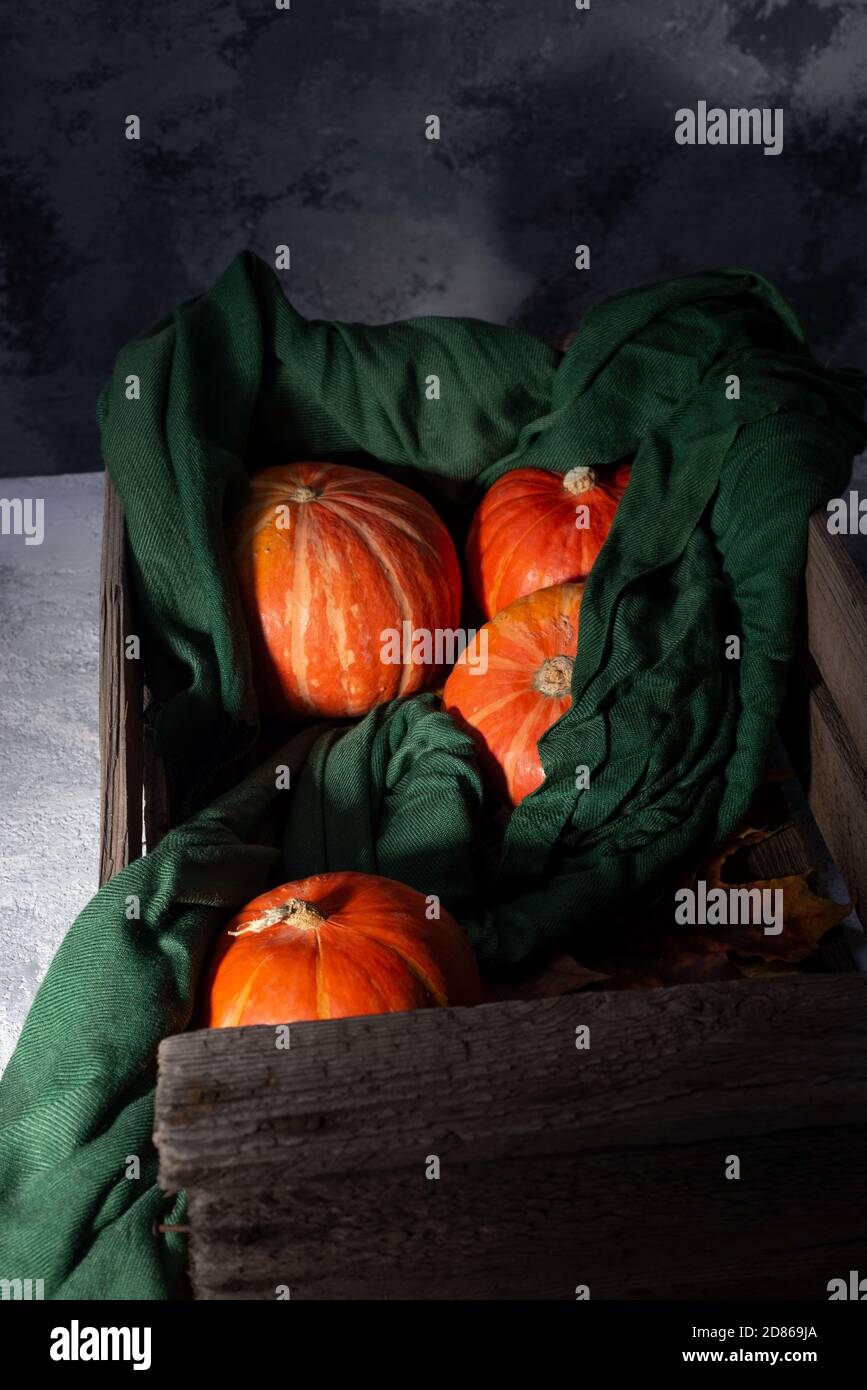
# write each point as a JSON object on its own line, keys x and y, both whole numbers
{"x": 661, "y": 955}
{"x": 806, "y": 917}
{"x": 668, "y": 961}
{"x": 562, "y": 975}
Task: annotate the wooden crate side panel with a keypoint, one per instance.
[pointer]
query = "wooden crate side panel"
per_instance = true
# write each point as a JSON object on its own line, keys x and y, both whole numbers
{"x": 837, "y": 630}
{"x": 643, "y": 1223}
{"x": 504, "y": 1079}
{"x": 838, "y": 792}
{"x": 558, "y": 1166}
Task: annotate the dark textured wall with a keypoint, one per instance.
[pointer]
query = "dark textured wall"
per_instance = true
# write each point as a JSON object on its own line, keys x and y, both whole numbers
{"x": 261, "y": 126}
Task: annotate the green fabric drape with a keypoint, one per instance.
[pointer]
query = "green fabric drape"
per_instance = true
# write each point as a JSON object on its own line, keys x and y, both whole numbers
{"x": 738, "y": 434}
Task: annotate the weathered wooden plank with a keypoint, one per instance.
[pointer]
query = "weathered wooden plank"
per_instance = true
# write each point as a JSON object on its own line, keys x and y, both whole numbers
{"x": 507, "y": 1076}
{"x": 306, "y": 1166}
{"x": 838, "y": 791}
{"x": 641, "y": 1223}
{"x": 120, "y": 704}
{"x": 837, "y": 628}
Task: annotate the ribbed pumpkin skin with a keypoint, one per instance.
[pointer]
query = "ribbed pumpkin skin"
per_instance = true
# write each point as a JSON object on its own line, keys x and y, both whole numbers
{"x": 375, "y": 952}
{"x": 356, "y": 554}
{"x": 501, "y": 707}
{"x": 523, "y": 536}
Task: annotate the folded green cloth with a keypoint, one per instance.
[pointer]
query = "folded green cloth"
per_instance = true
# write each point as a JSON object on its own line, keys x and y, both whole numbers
{"x": 708, "y": 542}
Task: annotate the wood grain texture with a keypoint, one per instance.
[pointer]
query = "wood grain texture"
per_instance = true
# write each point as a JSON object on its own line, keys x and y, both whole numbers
{"x": 645, "y": 1223}
{"x": 559, "y": 1166}
{"x": 837, "y": 629}
{"x": 837, "y": 791}
{"x": 120, "y": 704}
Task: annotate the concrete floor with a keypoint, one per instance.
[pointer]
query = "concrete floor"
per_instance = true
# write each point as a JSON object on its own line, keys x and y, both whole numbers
{"x": 49, "y": 752}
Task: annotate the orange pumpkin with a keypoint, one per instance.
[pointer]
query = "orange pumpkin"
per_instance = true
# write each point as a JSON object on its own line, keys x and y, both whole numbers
{"x": 522, "y": 686}
{"x": 525, "y": 533}
{"x": 332, "y": 561}
{"x": 334, "y": 946}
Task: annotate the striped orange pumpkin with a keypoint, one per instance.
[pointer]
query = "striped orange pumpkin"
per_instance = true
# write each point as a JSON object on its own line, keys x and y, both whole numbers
{"x": 514, "y": 681}
{"x": 533, "y": 529}
{"x": 329, "y": 558}
{"x": 334, "y": 946}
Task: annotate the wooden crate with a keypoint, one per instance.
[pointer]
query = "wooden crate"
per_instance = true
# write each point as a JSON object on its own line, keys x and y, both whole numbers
{"x": 306, "y": 1169}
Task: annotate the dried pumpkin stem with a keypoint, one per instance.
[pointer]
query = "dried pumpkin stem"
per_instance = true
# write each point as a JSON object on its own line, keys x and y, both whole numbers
{"x": 579, "y": 480}
{"x": 296, "y": 911}
{"x": 554, "y": 676}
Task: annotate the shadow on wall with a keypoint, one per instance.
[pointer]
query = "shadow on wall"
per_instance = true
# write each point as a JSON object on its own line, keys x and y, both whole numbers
{"x": 592, "y": 159}
{"x": 259, "y": 129}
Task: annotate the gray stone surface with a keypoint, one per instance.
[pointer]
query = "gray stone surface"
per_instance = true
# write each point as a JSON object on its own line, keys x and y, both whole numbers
{"x": 49, "y": 755}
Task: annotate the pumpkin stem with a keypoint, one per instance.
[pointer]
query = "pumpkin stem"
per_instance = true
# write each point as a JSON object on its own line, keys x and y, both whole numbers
{"x": 300, "y": 492}
{"x": 554, "y": 677}
{"x": 579, "y": 480}
{"x": 297, "y": 911}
